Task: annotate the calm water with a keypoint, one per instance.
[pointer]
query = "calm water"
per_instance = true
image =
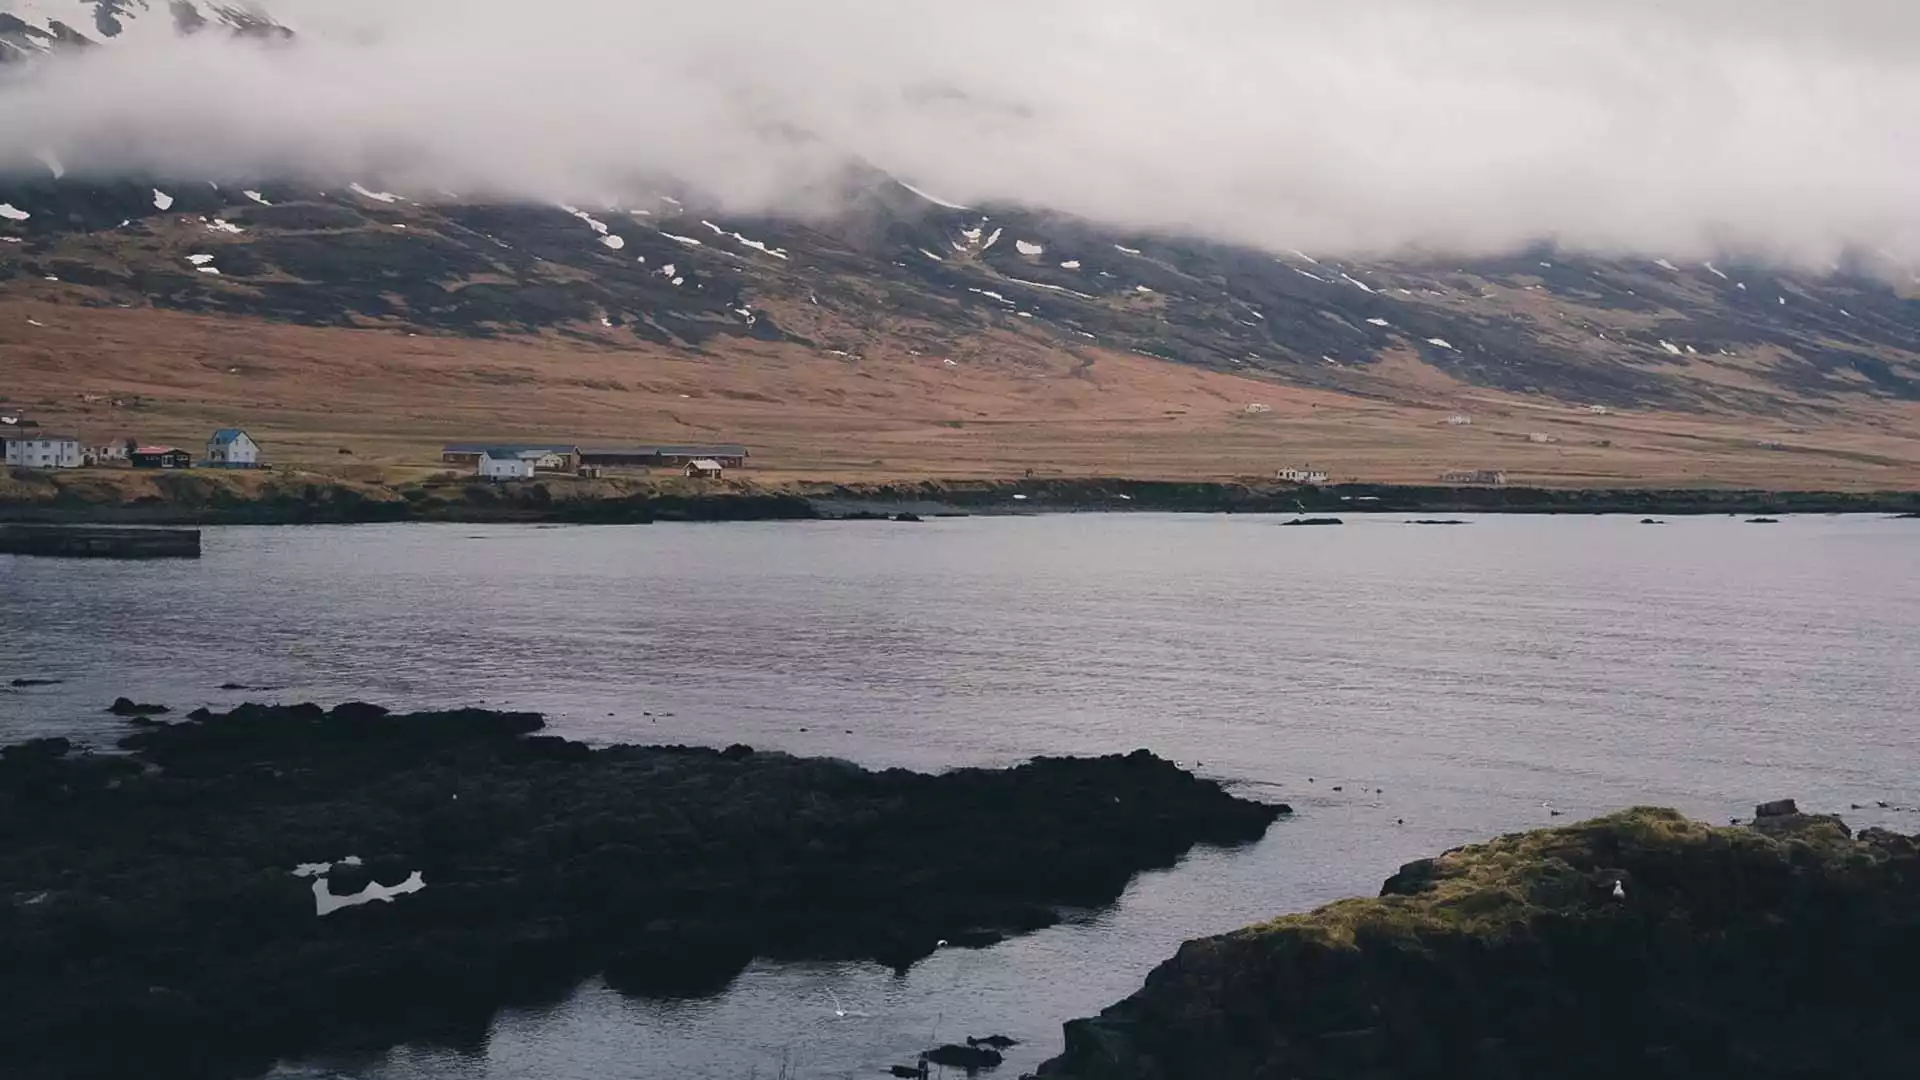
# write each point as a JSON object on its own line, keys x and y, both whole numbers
{"x": 1456, "y": 678}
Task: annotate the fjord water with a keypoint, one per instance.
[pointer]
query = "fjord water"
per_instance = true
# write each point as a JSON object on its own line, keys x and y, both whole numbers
{"x": 1405, "y": 688}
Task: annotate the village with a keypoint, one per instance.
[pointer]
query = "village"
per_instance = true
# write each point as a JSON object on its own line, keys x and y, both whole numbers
{"x": 27, "y": 446}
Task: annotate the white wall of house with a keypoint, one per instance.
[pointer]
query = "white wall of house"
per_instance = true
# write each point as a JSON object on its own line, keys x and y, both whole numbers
{"x": 513, "y": 468}
{"x": 43, "y": 453}
{"x": 241, "y": 451}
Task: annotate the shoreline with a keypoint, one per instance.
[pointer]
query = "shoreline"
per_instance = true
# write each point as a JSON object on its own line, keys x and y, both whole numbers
{"x": 292, "y": 498}
{"x": 278, "y": 882}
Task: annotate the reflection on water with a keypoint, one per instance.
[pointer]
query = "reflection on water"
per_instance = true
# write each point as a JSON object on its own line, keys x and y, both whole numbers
{"x": 1451, "y": 679}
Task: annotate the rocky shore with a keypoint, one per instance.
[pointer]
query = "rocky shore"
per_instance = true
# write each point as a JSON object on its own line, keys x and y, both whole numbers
{"x": 280, "y": 881}
{"x": 1639, "y": 945}
{"x": 294, "y": 498}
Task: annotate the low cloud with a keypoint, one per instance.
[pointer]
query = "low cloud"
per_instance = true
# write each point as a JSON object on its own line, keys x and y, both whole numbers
{"x": 1788, "y": 129}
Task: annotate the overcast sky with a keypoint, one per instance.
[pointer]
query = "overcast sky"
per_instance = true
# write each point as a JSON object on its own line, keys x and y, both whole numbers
{"x": 1683, "y": 127}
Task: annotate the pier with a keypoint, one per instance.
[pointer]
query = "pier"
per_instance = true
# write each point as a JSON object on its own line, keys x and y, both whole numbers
{"x": 99, "y": 542}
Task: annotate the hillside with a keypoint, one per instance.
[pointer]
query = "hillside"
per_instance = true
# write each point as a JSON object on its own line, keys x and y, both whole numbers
{"x": 900, "y": 334}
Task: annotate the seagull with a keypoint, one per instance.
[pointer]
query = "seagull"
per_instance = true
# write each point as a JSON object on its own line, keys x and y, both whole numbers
{"x": 941, "y": 944}
{"x": 1619, "y": 891}
{"x": 1548, "y": 807}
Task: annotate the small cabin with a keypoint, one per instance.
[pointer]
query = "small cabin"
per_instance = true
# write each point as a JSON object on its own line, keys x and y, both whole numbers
{"x": 705, "y": 469}
{"x": 1304, "y": 475}
{"x": 161, "y": 457}
{"x": 230, "y": 448}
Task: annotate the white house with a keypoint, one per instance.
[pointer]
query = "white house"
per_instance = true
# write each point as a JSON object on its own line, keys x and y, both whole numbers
{"x": 1460, "y": 420}
{"x": 38, "y": 451}
{"x": 704, "y": 468}
{"x": 509, "y": 465}
{"x": 230, "y": 448}
{"x": 106, "y": 453}
{"x": 1305, "y": 475}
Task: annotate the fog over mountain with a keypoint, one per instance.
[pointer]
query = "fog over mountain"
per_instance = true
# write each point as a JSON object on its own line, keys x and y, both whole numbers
{"x": 1686, "y": 127}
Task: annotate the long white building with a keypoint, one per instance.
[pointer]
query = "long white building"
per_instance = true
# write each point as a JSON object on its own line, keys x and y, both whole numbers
{"x": 40, "y": 451}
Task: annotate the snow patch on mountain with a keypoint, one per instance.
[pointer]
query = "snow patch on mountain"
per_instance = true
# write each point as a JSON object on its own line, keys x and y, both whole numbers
{"x": 934, "y": 199}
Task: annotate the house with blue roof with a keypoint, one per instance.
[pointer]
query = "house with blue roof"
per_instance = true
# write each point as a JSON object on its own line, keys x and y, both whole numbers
{"x": 230, "y": 448}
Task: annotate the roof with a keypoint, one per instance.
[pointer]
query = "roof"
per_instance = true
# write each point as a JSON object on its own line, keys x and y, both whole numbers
{"x": 725, "y": 451}
{"x": 507, "y": 450}
{"x": 39, "y": 436}
{"x": 500, "y": 453}
{"x": 228, "y": 434}
{"x": 706, "y": 463}
{"x": 159, "y": 450}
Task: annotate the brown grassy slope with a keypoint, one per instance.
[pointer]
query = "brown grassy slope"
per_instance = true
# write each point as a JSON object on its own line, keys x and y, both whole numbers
{"x": 1007, "y": 403}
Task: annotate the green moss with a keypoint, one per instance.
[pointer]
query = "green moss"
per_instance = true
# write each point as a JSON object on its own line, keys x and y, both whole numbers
{"x": 1497, "y": 889}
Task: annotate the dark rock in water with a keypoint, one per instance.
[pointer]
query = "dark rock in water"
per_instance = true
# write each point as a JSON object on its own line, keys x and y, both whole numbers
{"x": 24, "y": 683}
{"x": 1776, "y": 808}
{"x": 37, "y": 750}
{"x": 864, "y": 515}
{"x": 180, "y": 927}
{"x": 996, "y": 1042}
{"x": 1763, "y": 521}
{"x": 906, "y": 517}
{"x": 1437, "y": 521}
{"x": 1914, "y": 516}
{"x": 1724, "y": 952}
{"x": 1314, "y": 521}
{"x": 1651, "y": 521}
{"x": 908, "y": 1072}
{"x": 965, "y": 1057}
{"x": 129, "y": 707}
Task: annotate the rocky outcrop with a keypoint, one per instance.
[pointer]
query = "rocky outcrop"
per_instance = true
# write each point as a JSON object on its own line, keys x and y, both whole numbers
{"x": 1637, "y": 945}
{"x": 269, "y": 882}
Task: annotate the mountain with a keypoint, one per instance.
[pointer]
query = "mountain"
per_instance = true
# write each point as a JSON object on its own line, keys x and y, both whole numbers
{"x": 30, "y": 28}
{"x": 1735, "y": 354}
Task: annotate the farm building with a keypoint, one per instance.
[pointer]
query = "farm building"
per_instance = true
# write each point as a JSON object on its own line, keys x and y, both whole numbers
{"x": 729, "y": 456}
{"x": 1305, "y": 474}
{"x": 705, "y": 469}
{"x": 107, "y": 453}
{"x": 507, "y": 465}
{"x": 1492, "y": 477}
{"x": 42, "y": 451}
{"x": 230, "y": 448}
{"x": 548, "y": 457}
